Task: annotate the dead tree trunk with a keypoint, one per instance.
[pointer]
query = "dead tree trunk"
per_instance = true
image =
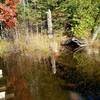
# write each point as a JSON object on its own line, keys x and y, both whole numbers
{"x": 49, "y": 19}
{"x": 52, "y": 42}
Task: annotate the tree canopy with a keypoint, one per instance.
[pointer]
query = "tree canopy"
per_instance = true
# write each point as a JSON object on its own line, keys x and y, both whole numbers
{"x": 75, "y": 17}
{"x": 8, "y": 13}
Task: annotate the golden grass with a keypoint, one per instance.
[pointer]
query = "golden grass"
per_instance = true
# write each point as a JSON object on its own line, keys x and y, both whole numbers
{"x": 37, "y": 46}
{"x": 4, "y": 46}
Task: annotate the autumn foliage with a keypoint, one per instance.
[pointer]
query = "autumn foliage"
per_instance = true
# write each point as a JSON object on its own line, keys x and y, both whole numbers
{"x": 8, "y": 13}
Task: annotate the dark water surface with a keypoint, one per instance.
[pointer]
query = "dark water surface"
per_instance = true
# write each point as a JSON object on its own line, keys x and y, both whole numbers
{"x": 81, "y": 74}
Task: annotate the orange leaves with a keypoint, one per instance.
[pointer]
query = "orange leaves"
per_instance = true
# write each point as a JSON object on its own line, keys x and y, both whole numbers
{"x": 1, "y": 6}
{"x": 8, "y": 13}
{"x": 10, "y": 23}
{"x": 2, "y": 18}
{"x": 11, "y": 2}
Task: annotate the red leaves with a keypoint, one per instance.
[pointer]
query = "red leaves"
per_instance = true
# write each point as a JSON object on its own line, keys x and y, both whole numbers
{"x": 10, "y": 23}
{"x": 10, "y": 2}
{"x": 2, "y": 18}
{"x": 8, "y": 13}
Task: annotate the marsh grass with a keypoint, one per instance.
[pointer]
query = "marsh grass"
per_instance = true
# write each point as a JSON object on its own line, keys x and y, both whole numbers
{"x": 27, "y": 59}
{"x": 29, "y": 68}
{"x": 26, "y": 50}
{"x": 4, "y": 45}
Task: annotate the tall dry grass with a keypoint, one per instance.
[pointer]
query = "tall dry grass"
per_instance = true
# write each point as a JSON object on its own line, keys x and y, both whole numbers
{"x": 27, "y": 57}
{"x": 37, "y": 46}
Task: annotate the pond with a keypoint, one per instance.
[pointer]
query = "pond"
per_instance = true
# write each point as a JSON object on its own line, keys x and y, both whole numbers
{"x": 81, "y": 72}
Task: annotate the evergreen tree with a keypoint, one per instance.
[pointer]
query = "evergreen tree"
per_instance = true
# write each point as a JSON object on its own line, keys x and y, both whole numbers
{"x": 77, "y": 17}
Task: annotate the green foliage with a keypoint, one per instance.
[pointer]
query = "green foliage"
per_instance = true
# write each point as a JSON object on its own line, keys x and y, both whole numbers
{"x": 2, "y": 1}
{"x": 77, "y": 17}
{"x": 82, "y": 16}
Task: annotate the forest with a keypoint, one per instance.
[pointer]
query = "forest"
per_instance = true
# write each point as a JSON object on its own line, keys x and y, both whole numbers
{"x": 72, "y": 17}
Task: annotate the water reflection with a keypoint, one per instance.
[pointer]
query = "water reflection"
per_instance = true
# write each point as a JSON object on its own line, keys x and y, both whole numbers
{"x": 75, "y": 96}
{"x": 81, "y": 71}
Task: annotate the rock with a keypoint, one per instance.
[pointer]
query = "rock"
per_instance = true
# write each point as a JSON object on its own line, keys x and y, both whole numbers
{"x": 73, "y": 44}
